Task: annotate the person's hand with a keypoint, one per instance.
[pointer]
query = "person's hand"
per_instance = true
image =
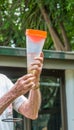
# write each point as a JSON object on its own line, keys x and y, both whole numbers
{"x": 24, "y": 84}
{"x": 36, "y": 67}
{"x": 28, "y": 81}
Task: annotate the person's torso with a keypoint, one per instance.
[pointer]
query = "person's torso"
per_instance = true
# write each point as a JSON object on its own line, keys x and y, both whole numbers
{"x": 8, "y": 113}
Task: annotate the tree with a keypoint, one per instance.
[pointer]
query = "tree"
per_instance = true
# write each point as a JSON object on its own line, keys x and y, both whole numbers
{"x": 11, "y": 20}
{"x": 56, "y": 17}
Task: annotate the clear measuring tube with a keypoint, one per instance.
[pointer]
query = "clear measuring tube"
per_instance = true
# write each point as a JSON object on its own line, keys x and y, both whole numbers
{"x": 34, "y": 43}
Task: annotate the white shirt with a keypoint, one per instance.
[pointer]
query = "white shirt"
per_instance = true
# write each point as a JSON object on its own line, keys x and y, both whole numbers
{"x": 5, "y": 85}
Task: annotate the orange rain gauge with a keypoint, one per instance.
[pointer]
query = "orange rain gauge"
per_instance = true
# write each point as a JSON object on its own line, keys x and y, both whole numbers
{"x": 36, "y": 35}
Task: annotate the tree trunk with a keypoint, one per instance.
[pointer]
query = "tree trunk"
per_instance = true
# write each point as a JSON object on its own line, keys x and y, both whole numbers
{"x": 65, "y": 38}
{"x": 58, "y": 44}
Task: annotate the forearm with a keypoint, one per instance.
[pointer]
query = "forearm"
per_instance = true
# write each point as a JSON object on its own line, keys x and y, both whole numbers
{"x": 31, "y": 106}
{"x": 6, "y": 100}
{"x": 35, "y": 101}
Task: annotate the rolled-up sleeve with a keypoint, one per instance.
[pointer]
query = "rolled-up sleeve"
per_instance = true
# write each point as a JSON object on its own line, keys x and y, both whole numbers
{"x": 18, "y": 102}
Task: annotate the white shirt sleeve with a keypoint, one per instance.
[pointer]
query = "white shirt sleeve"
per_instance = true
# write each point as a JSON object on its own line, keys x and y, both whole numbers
{"x": 18, "y": 101}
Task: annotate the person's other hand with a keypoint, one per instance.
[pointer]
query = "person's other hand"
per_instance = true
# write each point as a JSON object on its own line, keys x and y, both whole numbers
{"x": 24, "y": 84}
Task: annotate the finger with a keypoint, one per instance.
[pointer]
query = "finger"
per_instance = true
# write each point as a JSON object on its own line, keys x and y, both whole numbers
{"x": 28, "y": 85}
{"x": 39, "y": 59}
{"x": 36, "y": 68}
{"x": 26, "y": 76}
{"x": 41, "y": 54}
{"x": 37, "y": 63}
{"x": 29, "y": 80}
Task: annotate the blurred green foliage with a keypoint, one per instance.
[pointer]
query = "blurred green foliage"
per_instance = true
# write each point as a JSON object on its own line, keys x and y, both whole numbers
{"x": 16, "y": 16}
